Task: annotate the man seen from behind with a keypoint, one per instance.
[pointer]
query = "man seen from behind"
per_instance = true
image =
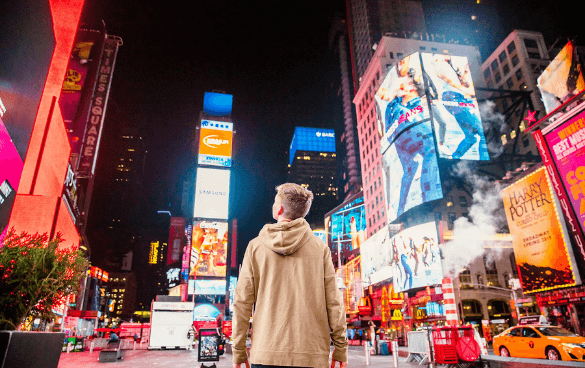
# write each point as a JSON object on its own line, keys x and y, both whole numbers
{"x": 288, "y": 277}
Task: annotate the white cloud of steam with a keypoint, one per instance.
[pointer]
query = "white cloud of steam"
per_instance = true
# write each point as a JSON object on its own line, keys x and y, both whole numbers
{"x": 484, "y": 220}
{"x": 496, "y": 121}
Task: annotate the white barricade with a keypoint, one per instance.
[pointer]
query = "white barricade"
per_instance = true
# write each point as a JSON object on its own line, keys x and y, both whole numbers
{"x": 418, "y": 350}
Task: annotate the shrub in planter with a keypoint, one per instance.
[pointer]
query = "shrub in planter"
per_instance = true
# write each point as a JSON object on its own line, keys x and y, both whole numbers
{"x": 35, "y": 276}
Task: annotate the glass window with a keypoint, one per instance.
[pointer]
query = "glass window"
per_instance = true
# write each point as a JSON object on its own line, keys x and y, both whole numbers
{"x": 526, "y": 142}
{"x": 555, "y": 331}
{"x": 463, "y": 201}
{"x": 510, "y": 83}
{"x": 495, "y": 65}
{"x": 502, "y": 56}
{"x": 533, "y": 55}
{"x": 497, "y": 77}
{"x": 511, "y": 47}
{"x": 515, "y": 332}
{"x": 530, "y": 43}
{"x": 518, "y": 75}
{"x": 486, "y": 73}
{"x": 515, "y": 60}
{"x": 506, "y": 68}
{"x": 529, "y": 332}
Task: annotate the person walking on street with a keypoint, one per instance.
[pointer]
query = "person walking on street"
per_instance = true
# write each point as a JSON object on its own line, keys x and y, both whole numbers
{"x": 288, "y": 277}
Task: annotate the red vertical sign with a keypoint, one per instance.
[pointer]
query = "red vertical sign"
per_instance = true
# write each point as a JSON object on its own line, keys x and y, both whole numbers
{"x": 176, "y": 239}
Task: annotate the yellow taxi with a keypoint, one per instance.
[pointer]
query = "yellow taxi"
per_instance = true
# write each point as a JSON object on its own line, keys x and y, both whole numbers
{"x": 540, "y": 342}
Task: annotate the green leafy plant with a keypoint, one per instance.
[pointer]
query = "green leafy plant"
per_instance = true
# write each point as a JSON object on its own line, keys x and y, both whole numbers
{"x": 36, "y": 275}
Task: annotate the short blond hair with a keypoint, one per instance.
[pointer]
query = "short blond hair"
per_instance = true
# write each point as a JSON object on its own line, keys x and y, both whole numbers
{"x": 294, "y": 199}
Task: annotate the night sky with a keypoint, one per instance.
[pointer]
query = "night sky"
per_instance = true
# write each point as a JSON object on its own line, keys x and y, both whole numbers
{"x": 273, "y": 57}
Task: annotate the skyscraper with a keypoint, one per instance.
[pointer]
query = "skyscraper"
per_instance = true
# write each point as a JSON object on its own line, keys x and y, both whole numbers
{"x": 313, "y": 165}
{"x": 369, "y": 20}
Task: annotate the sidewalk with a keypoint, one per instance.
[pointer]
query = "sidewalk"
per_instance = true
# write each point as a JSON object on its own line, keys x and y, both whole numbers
{"x": 188, "y": 358}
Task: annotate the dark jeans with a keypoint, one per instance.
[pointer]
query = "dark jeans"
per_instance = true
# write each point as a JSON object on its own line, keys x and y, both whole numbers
{"x": 273, "y": 366}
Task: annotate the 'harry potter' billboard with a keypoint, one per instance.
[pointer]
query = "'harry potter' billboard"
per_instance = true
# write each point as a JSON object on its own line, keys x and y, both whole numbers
{"x": 542, "y": 249}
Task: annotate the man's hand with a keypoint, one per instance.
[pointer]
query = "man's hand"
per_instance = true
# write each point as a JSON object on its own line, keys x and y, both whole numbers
{"x": 333, "y": 361}
{"x": 239, "y": 365}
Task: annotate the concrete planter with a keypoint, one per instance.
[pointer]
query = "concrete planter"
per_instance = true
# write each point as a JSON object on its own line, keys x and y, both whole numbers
{"x": 30, "y": 349}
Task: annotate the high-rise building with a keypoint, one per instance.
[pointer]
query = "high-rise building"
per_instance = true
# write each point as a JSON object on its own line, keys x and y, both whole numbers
{"x": 369, "y": 20}
{"x": 389, "y": 51}
{"x": 515, "y": 65}
{"x": 349, "y": 173}
{"x": 122, "y": 298}
{"x": 313, "y": 165}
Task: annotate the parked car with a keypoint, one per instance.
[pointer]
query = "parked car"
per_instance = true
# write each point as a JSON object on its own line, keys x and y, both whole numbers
{"x": 540, "y": 342}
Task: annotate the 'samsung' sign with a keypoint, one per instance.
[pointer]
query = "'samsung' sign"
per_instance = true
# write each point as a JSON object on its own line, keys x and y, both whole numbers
{"x": 212, "y": 189}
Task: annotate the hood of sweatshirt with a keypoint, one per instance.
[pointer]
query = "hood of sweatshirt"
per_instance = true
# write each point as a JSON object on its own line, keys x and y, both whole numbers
{"x": 286, "y": 237}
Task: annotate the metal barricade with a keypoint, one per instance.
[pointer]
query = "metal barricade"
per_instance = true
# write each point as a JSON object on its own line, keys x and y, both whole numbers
{"x": 418, "y": 350}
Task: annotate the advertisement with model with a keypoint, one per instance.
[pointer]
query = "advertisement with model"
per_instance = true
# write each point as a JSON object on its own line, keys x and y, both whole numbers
{"x": 377, "y": 262}
{"x": 562, "y": 79}
{"x": 416, "y": 257}
{"x": 209, "y": 249}
{"x": 346, "y": 227}
{"x": 212, "y": 189}
{"x": 541, "y": 246}
{"x": 454, "y": 107}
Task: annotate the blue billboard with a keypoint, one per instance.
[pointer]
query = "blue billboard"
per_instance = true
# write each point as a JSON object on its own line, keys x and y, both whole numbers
{"x": 311, "y": 139}
{"x": 217, "y": 104}
{"x": 347, "y": 228}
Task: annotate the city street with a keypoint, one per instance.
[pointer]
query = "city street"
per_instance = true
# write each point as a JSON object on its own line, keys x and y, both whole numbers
{"x": 184, "y": 358}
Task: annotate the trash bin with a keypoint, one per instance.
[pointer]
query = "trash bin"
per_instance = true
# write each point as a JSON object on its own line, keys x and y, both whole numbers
{"x": 383, "y": 348}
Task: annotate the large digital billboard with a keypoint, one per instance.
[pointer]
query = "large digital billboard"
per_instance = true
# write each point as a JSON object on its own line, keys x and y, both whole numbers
{"x": 217, "y": 104}
{"x": 401, "y": 100}
{"x": 562, "y": 79}
{"x": 347, "y": 228}
{"x": 377, "y": 262}
{"x": 215, "y": 143}
{"x": 415, "y": 258}
{"x": 454, "y": 107}
{"x": 311, "y": 139}
{"x": 212, "y": 189}
{"x": 207, "y": 287}
{"x": 209, "y": 249}
{"x": 542, "y": 251}
{"x": 411, "y": 171}
{"x": 354, "y": 291}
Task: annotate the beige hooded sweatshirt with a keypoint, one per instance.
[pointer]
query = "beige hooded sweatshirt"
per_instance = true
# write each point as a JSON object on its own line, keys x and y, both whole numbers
{"x": 288, "y": 274}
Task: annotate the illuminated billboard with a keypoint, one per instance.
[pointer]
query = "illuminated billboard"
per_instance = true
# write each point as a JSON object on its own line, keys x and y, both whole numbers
{"x": 562, "y": 79}
{"x": 10, "y": 170}
{"x": 209, "y": 249}
{"x": 377, "y": 262}
{"x": 543, "y": 253}
{"x": 153, "y": 254}
{"x": 215, "y": 143}
{"x": 311, "y": 139}
{"x": 454, "y": 107}
{"x": 354, "y": 291}
{"x": 176, "y": 237}
{"x": 415, "y": 257}
{"x": 411, "y": 171}
{"x": 212, "y": 189}
{"x": 217, "y": 104}
{"x": 347, "y": 227}
{"x": 208, "y": 287}
{"x": 401, "y": 101}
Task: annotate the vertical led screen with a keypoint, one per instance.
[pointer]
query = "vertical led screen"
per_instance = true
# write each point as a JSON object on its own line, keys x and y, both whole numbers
{"x": 562, "y": 79}
{"x": 354, "y": 291}
{"x": 311, "y": 139}
{"x": 409, "y": 161}
{"x": 209, "y": 249}
{"x": 176, "y": 236}
{"x": 377, "y": 261}
{"x": 212, "y": 189}
{"x": 10, "y": 170}
{"x": 455, "y": 111}
{"x": 347, "y": 228}
{"x": 415, "y": 259}
{"x": 215, "y": 144}
{"x": 540, "y": 246}
{"x": 567, "y": 146}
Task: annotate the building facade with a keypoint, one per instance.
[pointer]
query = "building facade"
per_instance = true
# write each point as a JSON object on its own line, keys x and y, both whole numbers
{"x": 515, "y": 65}
{"x": 369, "y": 20}
{"x": 389, "y": 51}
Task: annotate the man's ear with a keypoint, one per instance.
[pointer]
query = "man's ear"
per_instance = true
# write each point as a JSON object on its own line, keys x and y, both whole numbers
{"x": 280, "y": 211}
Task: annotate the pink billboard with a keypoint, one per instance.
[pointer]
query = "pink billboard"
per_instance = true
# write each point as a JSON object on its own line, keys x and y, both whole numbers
{"x": 567, "y": 147}
{"x": 10, "y": 170}
{"x": 176, "y": 237}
